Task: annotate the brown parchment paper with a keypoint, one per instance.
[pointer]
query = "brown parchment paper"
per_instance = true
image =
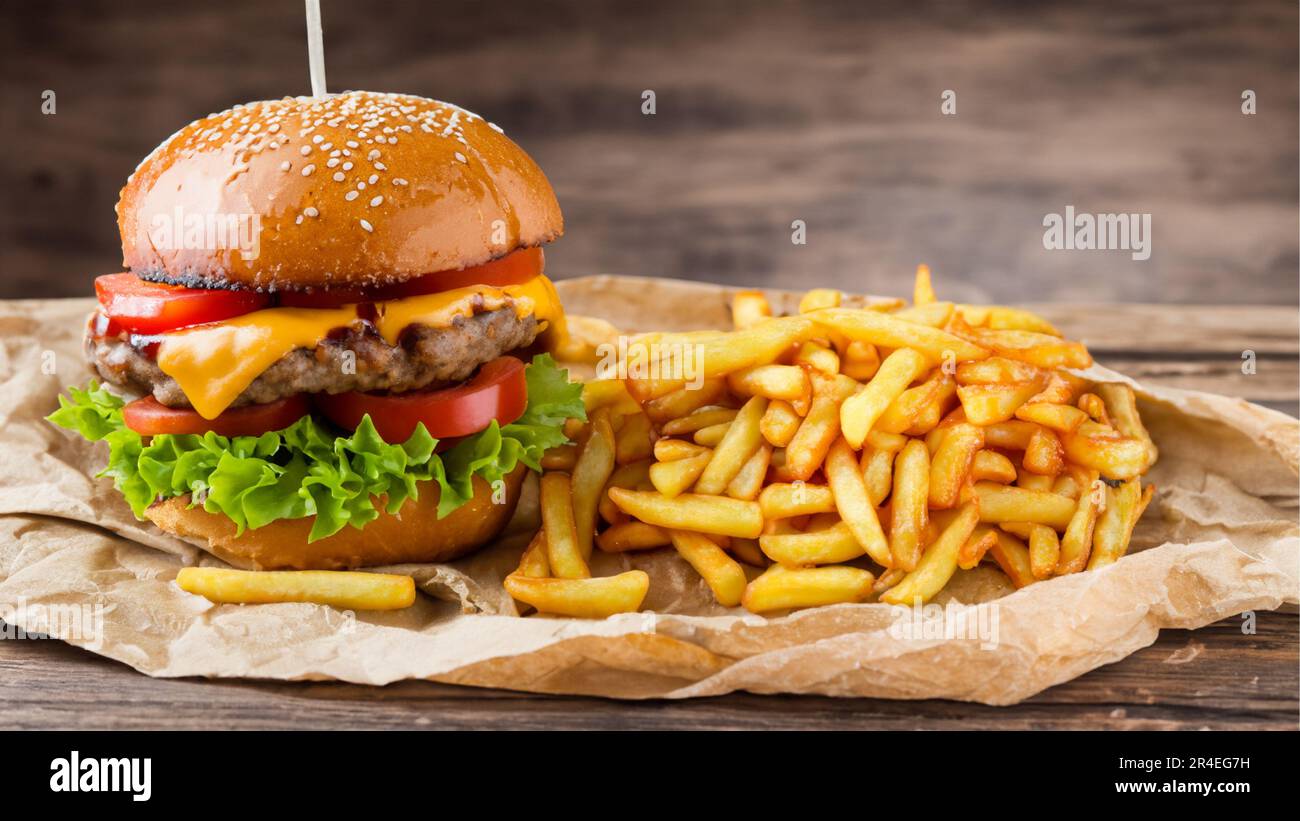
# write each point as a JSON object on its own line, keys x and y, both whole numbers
{"x": 1220, "y": 538}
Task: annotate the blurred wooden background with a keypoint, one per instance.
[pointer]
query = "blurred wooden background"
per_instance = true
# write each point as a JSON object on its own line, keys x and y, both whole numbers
{"x": 767, "y": 112}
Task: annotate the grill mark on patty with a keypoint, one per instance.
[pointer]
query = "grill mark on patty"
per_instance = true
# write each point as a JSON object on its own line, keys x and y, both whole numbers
{"x": 423, "y": 357}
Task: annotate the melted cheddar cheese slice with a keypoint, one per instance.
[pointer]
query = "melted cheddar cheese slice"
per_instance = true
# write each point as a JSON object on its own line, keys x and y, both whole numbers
{"x": 213, "y": 364}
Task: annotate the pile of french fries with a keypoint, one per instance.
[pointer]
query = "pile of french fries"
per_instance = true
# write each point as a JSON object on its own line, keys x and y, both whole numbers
{"x": 846, "y": 455}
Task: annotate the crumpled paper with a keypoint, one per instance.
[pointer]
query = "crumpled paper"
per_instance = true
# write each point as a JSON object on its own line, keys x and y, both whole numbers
{"x": 1220, "y": 538}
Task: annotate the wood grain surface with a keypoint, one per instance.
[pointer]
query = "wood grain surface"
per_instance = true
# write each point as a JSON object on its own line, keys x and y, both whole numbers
{"x": 767, "y": 111}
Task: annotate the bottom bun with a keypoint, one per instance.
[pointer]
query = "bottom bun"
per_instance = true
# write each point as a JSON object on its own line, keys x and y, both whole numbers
{"x": 414, "y": 534}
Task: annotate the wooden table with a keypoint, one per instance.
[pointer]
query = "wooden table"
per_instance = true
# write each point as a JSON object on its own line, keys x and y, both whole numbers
{"x": 1215, "y": 677}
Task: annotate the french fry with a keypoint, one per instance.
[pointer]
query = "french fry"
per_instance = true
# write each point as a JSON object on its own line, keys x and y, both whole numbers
{"x": 628, "y": 536}
{"x": 779, "y": 424}
{"x": 933, "y": 314}
{"x": 691, "y": 511}
{"x": 748, "y": 483}
{"x": 1077, "y": 541}
{"x": 788, "y": 382}
{"x": 633, "y": 441}
{"x": 1044, "y": 551}
{"x": 884, "y": 330}
{"x": 1032, "y": 347}
{"x": 647, "y": 389}
{"x": 1032, "y": 481}
{"x": 560, "y": 458}
{"x": 938, "y": 563}
{"x": 740, "y": 442}
{"x": 859, "y": 412}
{"x": 827, "y": 546}
{"x": 562, "y": 551}
{"x": 1000, "y": 503}
{"x": 713, "y": 435}
{"x": 813, "y": 354}
{"x": 1060, "y": 418}
{"x": 345, "y": 590}
{"x": 805, "y": 452}
{"x": 1091, "y": 404}
{"x": 877, "y": 465}
{"x": 854, "y": 504}
{"x": 950, "y": 466}
{"x": 909, "y": 504}
{"x": 907, "y": 412}
{"x": 1124, "y": 506}
{"x": 989, "y": 404}
{"x": 704, "y": 417}
{"x": 670, "y": 450}
{"x": 923, "y": 289}
{"x": 980, "y": 541}
{"x": 748, "y": 308}
{"x": 533, "y": 560}
{"x": 594, "y": 466}
{"x": 747, "y": 551}
{"x": 1121, "y": 406}
{"x": 783, "y": 588}
{"x": 991, "y": 466}
{"x": 1066, "y": 485}
{"x": 997, "y": 370}
{"x": 631, "y": 476}
{"x": 860, "y": 360}
{"x": 723, "y": 575}
{"x": 783, "y": 501}
{"x": 608, "y": 393}
{"x": 684, "y": 400}
{"x": 676, "y": 477}
{"x": 1010, "y": 435}
{"x": 1103, "y": 449}
{"x": 1013, "y": 557}
{"x": 723, "y": 353}
{"x": 582, "y": 598}
{"x": 818, "y": 298}
{"x": 1003, "y": 318}
{"x": 1044, "y": 454}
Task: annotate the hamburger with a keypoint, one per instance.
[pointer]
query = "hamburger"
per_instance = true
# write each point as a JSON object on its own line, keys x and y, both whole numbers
{"x": 331, "y": 344}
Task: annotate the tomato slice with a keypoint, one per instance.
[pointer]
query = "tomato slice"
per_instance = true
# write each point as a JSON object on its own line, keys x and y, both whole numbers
{"x": 149, "y": 417}
{"x": 512, "y": 269}
{"x": 155, "y": 307}
{"x": 498, "y": 391}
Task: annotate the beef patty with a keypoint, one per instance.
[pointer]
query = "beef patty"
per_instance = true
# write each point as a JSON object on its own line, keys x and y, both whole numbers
{"x": 423, "y": 357}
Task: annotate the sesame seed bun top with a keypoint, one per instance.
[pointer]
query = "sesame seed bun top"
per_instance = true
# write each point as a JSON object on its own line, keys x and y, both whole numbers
{"x": 357, "y": 189}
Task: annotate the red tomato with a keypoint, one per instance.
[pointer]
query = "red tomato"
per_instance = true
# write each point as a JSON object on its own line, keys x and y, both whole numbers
{"x": 154, "y": 307}
{"x": 498, "y": 391}
{"x": 149, "y": 417}
{"x": 512, "y": 269}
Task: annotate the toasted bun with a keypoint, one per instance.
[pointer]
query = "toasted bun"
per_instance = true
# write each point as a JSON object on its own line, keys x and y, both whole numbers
{"x": 415, "y": 534}
{"x": 438, "y": 187}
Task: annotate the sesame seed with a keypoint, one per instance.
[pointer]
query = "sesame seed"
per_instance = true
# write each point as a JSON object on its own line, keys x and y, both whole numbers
{"x": 311, "y": 211}
{"x": 332, "y": 162}
{"x": 399, "y": 181}
{"x": 367, "y": 226}
{"x": 307, "y": 169}
{"x": 298, "y": 221}
{"x": 286, "y": 165}
{"x": 317, "y": 139}
{"x": 381, "y": 166}
{"x": 361, "y": 186}
{"x": 353, "y": 144}
{"x": 305, "y": 150}
{"x": 350, "y": 196}
{"x": 373, "y": 155}
{"x": 461, "y": 157}
{"x": 339, "y": 176}
{"x": 374, "y": 178}
{"x": 377, "y": 201}
{"x": 498, "y": 129}
{"x": 274, "y": 128}
{"x": 347, "y": 166}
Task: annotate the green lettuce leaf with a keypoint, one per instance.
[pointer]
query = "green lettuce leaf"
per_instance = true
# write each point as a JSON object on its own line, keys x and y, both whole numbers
{"x": 308, "y": 469}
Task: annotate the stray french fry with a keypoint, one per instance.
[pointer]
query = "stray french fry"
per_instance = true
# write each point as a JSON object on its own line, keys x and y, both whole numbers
{"x": 345, "y": 590}
{"x": 724, "y": 576}
{"x": 691, "y": 511}
{"x": 938, "y": 563}
{"x": 783, "y": 588}
{"x": 582, "y": 598}
{"x": 909, "y": 511}
{"x": 859, "y": 412}
{"x": 923, "y": 290}
{"x": 562, "y": 550}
